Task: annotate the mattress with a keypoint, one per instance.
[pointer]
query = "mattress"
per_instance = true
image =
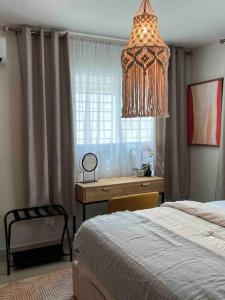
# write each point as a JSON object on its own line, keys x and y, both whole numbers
{"x": 173, "y": 252}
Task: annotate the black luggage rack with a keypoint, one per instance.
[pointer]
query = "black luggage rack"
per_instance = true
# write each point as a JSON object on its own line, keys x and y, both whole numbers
{"x": 31, "y": 213}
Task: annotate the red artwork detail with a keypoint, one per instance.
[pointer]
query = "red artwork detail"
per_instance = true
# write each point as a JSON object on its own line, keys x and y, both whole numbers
{"x": 219, "y": 97}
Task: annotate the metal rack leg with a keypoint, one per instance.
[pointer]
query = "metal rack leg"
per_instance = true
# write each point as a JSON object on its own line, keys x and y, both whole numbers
{"x": 8, "y": 255}
{"x": 68, "y": 238}
{"x": 7, "y": 248}
{"x": 66, "y": 231}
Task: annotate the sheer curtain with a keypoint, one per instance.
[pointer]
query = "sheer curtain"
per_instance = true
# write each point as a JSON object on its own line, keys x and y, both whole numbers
{"x": 98, "y": 127}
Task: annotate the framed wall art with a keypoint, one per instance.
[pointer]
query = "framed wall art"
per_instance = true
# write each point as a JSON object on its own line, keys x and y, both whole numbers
{"x": 204, "y": 112}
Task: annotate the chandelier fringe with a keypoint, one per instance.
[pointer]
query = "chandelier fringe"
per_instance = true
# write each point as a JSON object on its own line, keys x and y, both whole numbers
{"x": 145, "y": 89}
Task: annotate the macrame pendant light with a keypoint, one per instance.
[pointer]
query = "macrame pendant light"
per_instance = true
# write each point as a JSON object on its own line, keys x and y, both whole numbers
{"x": 145, "y": 63}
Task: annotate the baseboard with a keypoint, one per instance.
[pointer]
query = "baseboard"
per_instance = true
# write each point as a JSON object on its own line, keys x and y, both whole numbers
{"x": 32, "y": 246}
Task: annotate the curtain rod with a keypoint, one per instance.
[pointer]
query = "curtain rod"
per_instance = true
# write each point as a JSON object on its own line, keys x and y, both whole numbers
{"x": 73, "y": 34}
{"x": 36, "y": 30}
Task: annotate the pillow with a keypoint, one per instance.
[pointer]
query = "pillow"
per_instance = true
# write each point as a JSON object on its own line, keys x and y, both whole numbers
{"x": 220, "y": 203}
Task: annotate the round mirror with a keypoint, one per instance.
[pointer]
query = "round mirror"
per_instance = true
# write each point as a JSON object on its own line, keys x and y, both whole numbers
{"x": 89, "y": 162}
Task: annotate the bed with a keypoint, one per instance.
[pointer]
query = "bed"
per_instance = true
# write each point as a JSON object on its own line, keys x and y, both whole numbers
{"x": 176, "y": 251}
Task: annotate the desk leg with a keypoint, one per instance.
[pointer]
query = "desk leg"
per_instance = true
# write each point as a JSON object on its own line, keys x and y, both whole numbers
{"x": 84, "y": 211}
{"x": 162, "y": 197}
{"x": 74, "y": 226}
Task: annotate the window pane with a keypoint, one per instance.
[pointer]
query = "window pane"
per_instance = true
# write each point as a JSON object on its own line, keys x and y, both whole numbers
{"x": 94, "y": 105}
{"x": 97, "y": 101}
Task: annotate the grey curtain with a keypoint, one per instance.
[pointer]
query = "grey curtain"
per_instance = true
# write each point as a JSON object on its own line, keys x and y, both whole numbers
{"x": 172, "y": 146}
{"x": 47, "y": 116}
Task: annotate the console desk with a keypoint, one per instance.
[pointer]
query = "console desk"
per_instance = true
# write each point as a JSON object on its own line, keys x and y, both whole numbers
{"x": 105, "y": 189}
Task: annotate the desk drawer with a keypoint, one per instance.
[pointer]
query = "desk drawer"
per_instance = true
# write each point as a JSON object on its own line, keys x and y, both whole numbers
{"x": 104, "y": 193}
{"x": 145, "y": 187}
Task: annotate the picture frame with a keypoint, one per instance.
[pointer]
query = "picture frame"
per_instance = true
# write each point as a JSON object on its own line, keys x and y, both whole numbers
{"x": 204, "y": 112}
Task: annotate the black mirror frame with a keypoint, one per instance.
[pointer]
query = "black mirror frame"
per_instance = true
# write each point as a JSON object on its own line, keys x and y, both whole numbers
{"x": 82, "y": 162}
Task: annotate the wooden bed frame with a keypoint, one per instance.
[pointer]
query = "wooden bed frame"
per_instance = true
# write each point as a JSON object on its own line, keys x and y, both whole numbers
{"x": 85, "y": 284}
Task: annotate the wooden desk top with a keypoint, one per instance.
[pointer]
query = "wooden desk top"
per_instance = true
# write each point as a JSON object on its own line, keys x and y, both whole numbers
{"x": 118, "y": 181}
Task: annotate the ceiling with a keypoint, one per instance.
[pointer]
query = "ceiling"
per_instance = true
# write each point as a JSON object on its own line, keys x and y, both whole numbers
{"x": 188, "y": 23}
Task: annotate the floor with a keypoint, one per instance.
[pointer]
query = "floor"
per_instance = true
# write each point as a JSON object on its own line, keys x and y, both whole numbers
{"x": 30, "y": 272}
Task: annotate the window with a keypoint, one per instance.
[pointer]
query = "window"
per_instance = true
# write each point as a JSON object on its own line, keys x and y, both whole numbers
{"x": 94, "y": 109}
{"x": 96, "y": 86}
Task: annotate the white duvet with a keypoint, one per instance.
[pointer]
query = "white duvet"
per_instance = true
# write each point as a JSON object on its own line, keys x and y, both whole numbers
{"x": 168, "y": 253}
{"x": 199, "y": 222}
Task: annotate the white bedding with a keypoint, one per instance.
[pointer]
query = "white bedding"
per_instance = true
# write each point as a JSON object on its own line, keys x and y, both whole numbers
{"x": 158, "y": 253}
{"x": 193, "y": 227}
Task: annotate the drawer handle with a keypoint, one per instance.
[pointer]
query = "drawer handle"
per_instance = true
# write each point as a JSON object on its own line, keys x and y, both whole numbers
{"x": 146, "y": 184}
{"x": 106, "y": 190}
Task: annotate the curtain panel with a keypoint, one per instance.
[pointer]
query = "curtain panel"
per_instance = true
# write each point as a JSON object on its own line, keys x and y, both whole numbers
{"x": 97, "y": 100}
{"x": 47, "y": 118}
{"x": 172, "y": 144}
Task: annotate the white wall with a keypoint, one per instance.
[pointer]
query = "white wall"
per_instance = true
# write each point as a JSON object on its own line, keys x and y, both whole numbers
{"x": 207, "y": 63}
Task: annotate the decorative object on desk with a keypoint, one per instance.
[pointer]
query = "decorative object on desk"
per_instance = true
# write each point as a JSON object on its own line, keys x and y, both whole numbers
{"x": 147, "y": 170}
{"x": 147, "y": 154}
{"x": 204, "y": 112}
{"x": 147, "y": 160}
{"x": 145, "y": 63}
{"x": 140, "y": 172}
{"x": 89, "y": 163}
